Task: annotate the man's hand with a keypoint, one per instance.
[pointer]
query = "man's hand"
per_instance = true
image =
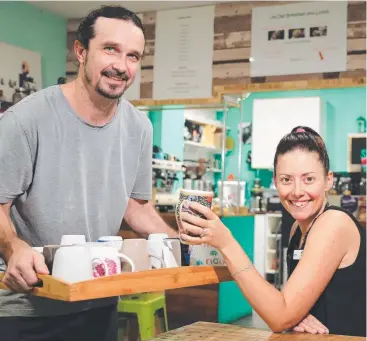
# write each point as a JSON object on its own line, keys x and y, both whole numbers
{"x": 311, "y": 325}
{"x": 23, "y": 265}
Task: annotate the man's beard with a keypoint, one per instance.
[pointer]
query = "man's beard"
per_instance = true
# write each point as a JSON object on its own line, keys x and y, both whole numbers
{"x": 106, "y": 73}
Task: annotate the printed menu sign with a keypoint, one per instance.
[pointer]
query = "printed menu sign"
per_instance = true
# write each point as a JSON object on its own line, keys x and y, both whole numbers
{"x": 184, "y": 53}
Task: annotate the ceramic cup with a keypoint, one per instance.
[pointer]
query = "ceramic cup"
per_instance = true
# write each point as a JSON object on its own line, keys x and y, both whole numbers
{"x": 162, "y": 247}
{"x": 73, "y": 239}
{"x": 115, "y": 241}
{"x": 137, "y": 250}
{"x": 75, "y": 263}
{"x": 202, "y": 197}
{"x": 172, "y": 252}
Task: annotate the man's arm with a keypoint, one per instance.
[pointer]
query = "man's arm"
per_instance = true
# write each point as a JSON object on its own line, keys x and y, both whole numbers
{"x": 22, "y": 261}
{"x": 142, "y": 217}
{"x": 16, "y": 174}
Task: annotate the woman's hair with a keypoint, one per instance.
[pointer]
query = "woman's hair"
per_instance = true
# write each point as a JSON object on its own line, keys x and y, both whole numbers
{"x": 303, "y": 138}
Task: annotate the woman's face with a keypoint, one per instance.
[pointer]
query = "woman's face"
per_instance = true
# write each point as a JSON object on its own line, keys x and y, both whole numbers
{"x": 301, "y": 183}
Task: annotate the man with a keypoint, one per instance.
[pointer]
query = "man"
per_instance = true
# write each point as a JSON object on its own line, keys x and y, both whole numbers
{"x": 74, "y": 159}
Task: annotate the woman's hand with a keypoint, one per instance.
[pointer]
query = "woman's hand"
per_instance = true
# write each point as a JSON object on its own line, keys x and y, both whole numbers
{"x": 311, "y": 325}
{"x": 208, "y": 231}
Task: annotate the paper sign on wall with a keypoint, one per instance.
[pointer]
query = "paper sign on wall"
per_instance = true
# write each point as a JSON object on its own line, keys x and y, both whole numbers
{"x": 184, "y": 53}
{"x": 299, "y": 38}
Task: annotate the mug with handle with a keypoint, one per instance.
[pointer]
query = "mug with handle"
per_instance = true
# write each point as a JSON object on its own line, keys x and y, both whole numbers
{"x": 156, "y": 248}
{"x": 137, "y": 250}
{"x": 92, "y": 261}
{"x": 204, "y": 198}
{"x": 106, "y": 260}
{"x": 73, "y": 239}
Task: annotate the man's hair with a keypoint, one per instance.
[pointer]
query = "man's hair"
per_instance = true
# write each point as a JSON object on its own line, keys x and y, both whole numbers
{"x": 86, "y": 30}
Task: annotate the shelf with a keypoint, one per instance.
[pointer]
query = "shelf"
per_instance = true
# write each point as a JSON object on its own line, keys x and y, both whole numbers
{"x": 203, "y": 120}
{"x": 167, "y": 168}
{"x": 129, "y": 283}
{"x": 183, "y": 103}
{"x": 167, "y": 165}
{"x": 272, "y": 251}
{"x": 203, "y": 146}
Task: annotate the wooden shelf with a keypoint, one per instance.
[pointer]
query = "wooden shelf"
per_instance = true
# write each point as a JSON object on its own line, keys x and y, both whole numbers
{"x": 310, "y": 84}
{"x": 190, "y": 103}
{"x": 129, "y": 283}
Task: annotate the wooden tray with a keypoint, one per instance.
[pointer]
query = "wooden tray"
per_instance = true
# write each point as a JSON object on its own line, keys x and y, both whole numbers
{"x": 129, "y": 283}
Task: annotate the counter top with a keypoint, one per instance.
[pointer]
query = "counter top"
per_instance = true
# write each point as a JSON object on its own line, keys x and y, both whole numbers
{"x": 220, "y": 332}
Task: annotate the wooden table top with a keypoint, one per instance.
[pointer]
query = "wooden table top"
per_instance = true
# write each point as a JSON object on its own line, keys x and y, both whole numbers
{"x": 223, "y": 332}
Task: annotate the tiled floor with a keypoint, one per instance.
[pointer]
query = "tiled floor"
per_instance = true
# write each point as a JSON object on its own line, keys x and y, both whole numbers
{"x": 252, "y": 321}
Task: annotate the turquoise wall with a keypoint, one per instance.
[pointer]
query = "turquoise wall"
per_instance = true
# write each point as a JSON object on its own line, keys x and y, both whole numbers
{"x": 26, "y": 26}
{"x": 232, "y": 305}
{"x": 168, "y": 133}
{"x": 342, "y": 108}
{"x": 168, "y": 130}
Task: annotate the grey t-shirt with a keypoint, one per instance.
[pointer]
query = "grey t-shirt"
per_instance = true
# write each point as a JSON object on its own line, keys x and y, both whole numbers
{"x": 66, "y": 176}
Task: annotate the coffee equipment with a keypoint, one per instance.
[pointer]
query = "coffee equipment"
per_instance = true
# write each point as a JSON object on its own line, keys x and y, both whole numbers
{"x": 257, "y": 203}
{"x": 232, "y": 192}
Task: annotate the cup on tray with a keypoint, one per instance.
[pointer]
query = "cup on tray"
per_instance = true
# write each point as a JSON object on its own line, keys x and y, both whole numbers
{"x": 162, "y": 247}
{"x": 73, "y": 239}
{"x": 115, "y": 241}
{"x": 204, "y": 198}
{"x": 76, "y": 263}
{"x": 137, "y": 249}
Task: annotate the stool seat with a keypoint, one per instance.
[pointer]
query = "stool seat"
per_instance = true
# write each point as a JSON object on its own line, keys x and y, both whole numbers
{"x": 145, "y": 307}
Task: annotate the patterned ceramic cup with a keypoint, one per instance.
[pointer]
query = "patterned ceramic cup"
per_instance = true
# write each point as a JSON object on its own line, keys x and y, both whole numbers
{"x": 202, "y": 197}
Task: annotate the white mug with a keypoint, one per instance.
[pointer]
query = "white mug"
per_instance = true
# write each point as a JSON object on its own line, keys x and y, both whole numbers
{"x": 138, "y": 251}
{"x": 168, "y": 249}
{"x": 172, "y": 252}
{"x": 157, "y": 236}
{"x": 78, "y": 263}
{"x": 73, "y": 239}
{"x": 115, "y": 241}
{"x": 106, "y": 260}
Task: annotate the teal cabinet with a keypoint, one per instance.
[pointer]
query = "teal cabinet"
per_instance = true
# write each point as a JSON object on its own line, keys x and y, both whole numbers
{"x": 232, "y": 304}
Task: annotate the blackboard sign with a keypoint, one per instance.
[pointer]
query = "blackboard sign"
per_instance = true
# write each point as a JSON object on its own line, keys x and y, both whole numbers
{"x": 356, "y": 143}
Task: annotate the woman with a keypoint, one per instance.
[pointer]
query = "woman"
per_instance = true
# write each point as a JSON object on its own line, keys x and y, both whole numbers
{"x": 326, "y": 254}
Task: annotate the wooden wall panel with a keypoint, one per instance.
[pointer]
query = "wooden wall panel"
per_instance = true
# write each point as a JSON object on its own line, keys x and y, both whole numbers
{"x": 232, "y": 46}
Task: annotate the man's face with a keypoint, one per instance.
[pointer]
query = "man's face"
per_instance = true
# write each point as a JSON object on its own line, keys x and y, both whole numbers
{"x": 113, "y": 57}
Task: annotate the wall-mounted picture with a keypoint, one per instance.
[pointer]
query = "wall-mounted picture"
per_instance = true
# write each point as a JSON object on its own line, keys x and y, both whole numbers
{"x": 276, "y": 35}
{"x": 20, "y": 72}
{"x": 318, "y": 31}
{"x": 295, "y": 33}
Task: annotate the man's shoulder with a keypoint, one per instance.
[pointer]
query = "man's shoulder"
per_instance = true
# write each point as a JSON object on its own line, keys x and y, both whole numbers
{"x": 135, "y": 116}
{"x": 34, "y": 106}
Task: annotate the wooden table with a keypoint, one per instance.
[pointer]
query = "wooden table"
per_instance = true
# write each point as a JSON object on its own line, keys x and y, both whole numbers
{"x": 223, "y": 332}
